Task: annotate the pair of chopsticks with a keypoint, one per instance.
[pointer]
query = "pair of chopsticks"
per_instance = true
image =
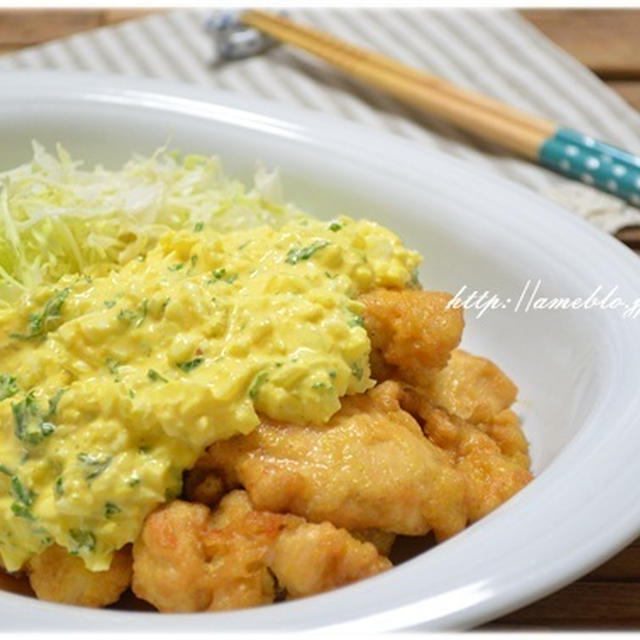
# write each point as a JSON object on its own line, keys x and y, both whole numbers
{"x": 537, "y": 139}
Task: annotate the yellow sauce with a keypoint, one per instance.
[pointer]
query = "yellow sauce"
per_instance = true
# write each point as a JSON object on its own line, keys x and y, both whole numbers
{"x": 113, "y": 384}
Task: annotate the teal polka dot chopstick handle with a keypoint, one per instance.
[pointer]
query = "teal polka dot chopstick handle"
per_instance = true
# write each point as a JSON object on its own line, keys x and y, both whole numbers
{"x": 595, "y": 163}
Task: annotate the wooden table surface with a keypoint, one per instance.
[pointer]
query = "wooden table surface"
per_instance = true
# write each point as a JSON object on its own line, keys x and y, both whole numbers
{"x": 607, "y": 42}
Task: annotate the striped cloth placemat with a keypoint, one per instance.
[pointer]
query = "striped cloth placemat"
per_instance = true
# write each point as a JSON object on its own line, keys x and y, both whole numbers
{"x": 494, "y": 52}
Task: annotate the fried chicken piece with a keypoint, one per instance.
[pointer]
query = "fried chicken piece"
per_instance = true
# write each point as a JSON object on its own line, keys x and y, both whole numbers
{"x": 370, "y": 466}
{"x": 411, "y": 332}
{"x": 381, "y": 540}
{"x": 317, "y": 557}
{"x": 493, "y": 469}
{"x": 56, "y": 576}
{"x": 505, "y": 430}
{"x": 471, "y": 388}
{"x": 182, "y": 563}
{"x": 190, "y": 559}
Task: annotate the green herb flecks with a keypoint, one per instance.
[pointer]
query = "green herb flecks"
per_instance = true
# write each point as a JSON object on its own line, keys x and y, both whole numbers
{"x": 134, "y": 317}
{"x": 83, "y": 540}
{"x": 5, "y": 470}
{"x": 109, "y": 304}
{"x": 22, "y": 494}
{"x": 30, "y": 426}
{"x": 357, "y": 371}
{"x": 8, "y": 386}
{"x": 176, "y": 267}
{"x": 93, "y": 465}
{"x": 221, "y": 274}
{"x": 154, "y": 376}
{"x": 355, "y": 321}
{"x": 112, "y": 365}
{"x": 21, "y": 511}
{"x": 53, "y": 404}
{"x": 46, "y": 540}
{"x": 41, "y": 322}
{"x": 335, "y": 226}
{"x": 193, "y": 261}
{"x": 58, "y": 487}
{"x": 414, "y": 282}
{"x": 199, "y": 226}
{"x": 258, "y": 381}
{"x": 296, "y": 255}
{"x": 110, "y": 509}
{"x": 190, "y": 365}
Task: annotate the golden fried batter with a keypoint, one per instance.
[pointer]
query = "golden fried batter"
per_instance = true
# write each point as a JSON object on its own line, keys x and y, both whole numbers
{"x": 493, "y": 469}
{"x": 471, "y": 388}
{"x": 181, "y": 564}
{"x": 370, "y": 466}
{"x": 317, "y": 557}
{"x": 505, "y": 430}
{"x": 59, "y": 577}
{"x": 189, "y": 559}
{"x": 381, "y": 540}
{"x": 411, "y": 332}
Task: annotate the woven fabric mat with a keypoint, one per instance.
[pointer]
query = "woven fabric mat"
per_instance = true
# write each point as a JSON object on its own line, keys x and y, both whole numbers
{"x": 494, "y": 52}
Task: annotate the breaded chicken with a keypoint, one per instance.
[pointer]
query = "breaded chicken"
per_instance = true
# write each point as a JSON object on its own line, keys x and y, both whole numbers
{"x": 190, "y": 559}
{"x": 381, "y": 540}
{"x": 317, "y": 557}
{"x": 412, "y": 332}
{"x": 181, "y": 563}
{"x": 370, "y": 466}
{"x": 470, "y": 387}
{"x": 59, "y": 577}
{"x": 203, "y": 484}
{"x": 504, "y": 429}
{"x": 493, "y": 468}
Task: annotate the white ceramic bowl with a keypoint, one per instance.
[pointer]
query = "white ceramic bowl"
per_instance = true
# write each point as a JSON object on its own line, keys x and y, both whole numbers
{"x": 578, "y": 371}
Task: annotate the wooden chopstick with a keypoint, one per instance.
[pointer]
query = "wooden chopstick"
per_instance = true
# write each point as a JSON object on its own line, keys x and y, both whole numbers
{"x": 472, "y": 112}
{"x": 563, "y": 150}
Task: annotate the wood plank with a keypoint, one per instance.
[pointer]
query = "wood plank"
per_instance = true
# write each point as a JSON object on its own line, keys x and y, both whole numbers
{"x": 605, "y": 40}
{"x": 622, "y": 567}
{"x": 631, "y": 237}
{"x": 28, "y": 27}
{"x": 115, "y": 16}
{"x": 581, "y": 605}
{"x": 628, "y": 89}
{"x": 8, "y": 48}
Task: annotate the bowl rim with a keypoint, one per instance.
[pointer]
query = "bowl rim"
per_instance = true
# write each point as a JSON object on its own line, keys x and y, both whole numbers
{"x": 582, "y": 546}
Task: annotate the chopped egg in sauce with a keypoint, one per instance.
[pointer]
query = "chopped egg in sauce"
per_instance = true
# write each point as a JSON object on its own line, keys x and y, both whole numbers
{"x": 113, "y": 382}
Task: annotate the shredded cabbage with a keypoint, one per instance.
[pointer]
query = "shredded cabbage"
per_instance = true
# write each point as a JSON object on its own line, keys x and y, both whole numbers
{"x": 57, "y": 218}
